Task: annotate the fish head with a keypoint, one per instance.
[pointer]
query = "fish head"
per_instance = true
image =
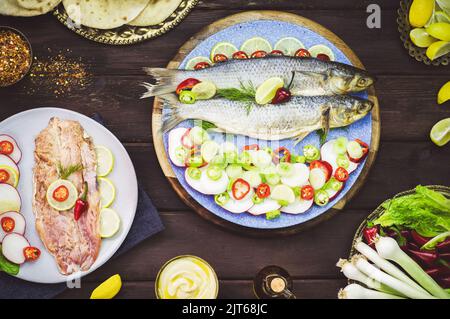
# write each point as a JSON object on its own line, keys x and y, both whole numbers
{"x": 349, "y": 110}
{"x": 350, "y": 79}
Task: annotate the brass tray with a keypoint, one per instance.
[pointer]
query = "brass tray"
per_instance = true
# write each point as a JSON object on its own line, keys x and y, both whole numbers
{"x": 404, "y": 28}
{"x": 127, "y": 34}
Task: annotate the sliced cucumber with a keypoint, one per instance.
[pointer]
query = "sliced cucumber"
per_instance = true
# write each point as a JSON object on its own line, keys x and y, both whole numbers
{"x": 209, "y": 150}
{"x": 283, "y": 194}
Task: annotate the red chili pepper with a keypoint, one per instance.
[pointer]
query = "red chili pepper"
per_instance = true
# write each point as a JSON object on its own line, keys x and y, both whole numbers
{"x": 323, "y": 57}
{"x": 186, "y": 85}
{"x": 369, "y": 234}
{"x": 324, "y": 166}
{"x": 31, "y": 253}
{"x": 258, "y": 54}
{"x": 365, "y": 151}
{"x": 282, "y": 154}
{"x": 341, "y": 174}
{"x": 8, "y": 224}
{"x": 252, "y": 147}
{"x": 282, "y": 95}
{"x": 4, "y": 176}
{"x": 240, "y": 55}
{"x": 201, "y": 65}
{"x": 6, "y": 148}
{"x": 240, "y": 188}
{"x": 263, "y": 190}
{"x": 81, "y": 204}
{"x": 277, "y": 52}
{"x": 186, "y": 140}
{"x": 427, "y": 258}
{"x": 307, "y": 192}
{"x": 220, "y": 58}
{"x": 60, "y": 194}
{"x": 302, "y": 53}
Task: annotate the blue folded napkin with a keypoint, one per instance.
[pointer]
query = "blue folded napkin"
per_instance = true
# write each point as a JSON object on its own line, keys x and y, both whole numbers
{"x": 146, "y": 223}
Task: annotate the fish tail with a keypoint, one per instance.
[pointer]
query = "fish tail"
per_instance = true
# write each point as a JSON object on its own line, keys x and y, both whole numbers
{"x": 165, "y": 82}
{"x": 172, "y": 116}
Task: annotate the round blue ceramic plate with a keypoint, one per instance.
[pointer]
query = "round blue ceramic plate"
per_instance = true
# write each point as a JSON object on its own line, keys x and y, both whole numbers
{"x": 272, "y": 31}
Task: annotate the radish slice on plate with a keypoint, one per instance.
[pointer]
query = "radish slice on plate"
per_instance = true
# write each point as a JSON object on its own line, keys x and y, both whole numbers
{"x": 239, "y": 206}
{"x": 268, "y": 205}
{"x": 7, "y": 161}
{"x": 299, "y": 177}
{"x": 15, "y": 153}
{"x": 333, "y": 193}
{"x": 12, "y": 248}
{"x": 174, "y": 144}
{"x": 213, "y": 187}
{"x": 317, "y": 178}
{"x": 329, "y": 155}
{"x": 19, "y": 224}
{"x": 9, "y": 199}
{"x": 194, "y": 183}
{"x": 297, "y": 207}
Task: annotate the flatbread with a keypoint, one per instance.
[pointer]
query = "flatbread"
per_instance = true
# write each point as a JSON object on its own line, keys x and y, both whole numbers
{"x": 104, "y": 14}
{"x": 42, "y": 5}
{"x": 156, "y": 12}
{"x": 12, "y": 8}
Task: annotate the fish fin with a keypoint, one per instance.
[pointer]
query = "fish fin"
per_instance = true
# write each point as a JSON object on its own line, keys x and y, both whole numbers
{"x": 165, "y": 82}
{"x": 321, "y": 75}
{"x": 325, "y": 122}
{"x": 171, "y": 114}
{"x": 300, "y": 137}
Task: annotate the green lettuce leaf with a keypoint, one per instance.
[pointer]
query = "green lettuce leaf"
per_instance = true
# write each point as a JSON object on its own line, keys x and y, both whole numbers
{"x": 7, "y": 266}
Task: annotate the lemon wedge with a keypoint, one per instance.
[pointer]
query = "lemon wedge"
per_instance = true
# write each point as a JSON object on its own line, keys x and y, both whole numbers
{"x": 13, "y": 175}
{"x": 109, "y": 222}
{"x": 266, "y": 91}
{"x": 421, "y": 38}
{"x": 438, "y": 49}
{"x": 108, "y": 289}
{"x": 204, "y": 90}
{"x": 107, "y": 191}
{"x": 444, "y": 93}
{"x": 105, "y": 160}
{"x": 439, "y": 30}
{"x": 440, "y": 133}
{"x": 420, "y": 12}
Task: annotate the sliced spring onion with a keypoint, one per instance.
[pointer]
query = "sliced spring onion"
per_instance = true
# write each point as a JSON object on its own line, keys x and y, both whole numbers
{"x": 222, "y": 199}
{"x": 214, "y": 173}
{"x": 299, "y": 159}
{"x": 253, "y": 178}
{"x": 355, "y": 291}
{"x": 285, "y": 169}
{"x": 334, "y": 184}
{"x": 354, "y": 149}
{"x": 187, "y": 97}
{"x": 388, "y": 248}
{"x": 194, "y": 161}
{"x": 231, "y": 157}
{"x": 209, "y": 150}
{"x": 342, "y": 161}
{"x": 261, "y": 158}
{"x": 219, "y": 161}
{"x": 234, "y": 171}
{"x": 194, "y": 173}
{"x": 340, "y": 145}
{"x": 311, "y": 153}
{"x": 245, "y": 158}
{"x": 181, "y": 153}
{"x": 321, "y": 197}
{"x": 273, "y": 214}
{"x": 198, "y": 135}
{"x": 256, "y": 199}
{"x": 272, "y": 179}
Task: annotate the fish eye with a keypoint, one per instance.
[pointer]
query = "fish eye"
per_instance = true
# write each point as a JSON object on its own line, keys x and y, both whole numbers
{"x": 362, "y": 82}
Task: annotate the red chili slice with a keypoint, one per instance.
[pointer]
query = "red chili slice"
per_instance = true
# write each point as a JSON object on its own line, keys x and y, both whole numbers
{"x": 323, "y": 57}
{"x": 263, "y": 190}
{"x": 277, "y": 52}
{"x": 252, "y": 147}
{"x": 8, "y": 224}
{"x": 302, "y": 53}
{"x": 324, "y": 166}
{"x": 258, "y": 54}
{"x": 201, "y": 66}
{"x": 6, "y": 147}
{"x": 220, "y": 58}
{"x": 365, "y": 151}
{"x": 186, "y": 140}
{"x": 240, "y": 188}
{"x": 61, "y": 194}
{"x": 240, "y": 55}
{"x": 31, "y": 253}
{"x": 341, "y": 174}
{"x": 307, "y": 192}
{"x": 186, "y": 85}
{"x": 282, "y": 154}
{"x": 4, "y": 176}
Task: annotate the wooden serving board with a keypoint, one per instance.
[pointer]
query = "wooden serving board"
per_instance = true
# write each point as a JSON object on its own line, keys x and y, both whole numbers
{"x": 216, "y": 27}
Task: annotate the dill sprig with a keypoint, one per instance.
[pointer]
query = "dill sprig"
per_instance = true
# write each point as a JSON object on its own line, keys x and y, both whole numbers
{"x": 245, "y": 93}
{"x": 65, "y": 172}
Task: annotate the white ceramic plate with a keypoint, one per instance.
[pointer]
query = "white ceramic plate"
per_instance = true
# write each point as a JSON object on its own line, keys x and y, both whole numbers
{"x": 24, "y": 127}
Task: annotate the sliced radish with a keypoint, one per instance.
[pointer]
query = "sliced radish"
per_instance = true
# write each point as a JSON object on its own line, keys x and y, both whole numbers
{"x": 328, "y": 154}
{"x": 194, "y": 183}
{"x": 9, "y": 199}
{"x": 213, "y": 187}
{"x": 268, "y": 205}
{"x": 298, "y": 207}
{"x": 174, "y": 143}
{"x": 19, "y": 221}
{"x": 16, "y": 155}
{"x": 239, "y": 206}
{"x": 333, "y": 193}
{"x": 299, "y": 178}
{"x": 317, "y": 178}
{"x": 12, "y": 248}
{"x": 7, "y": 161}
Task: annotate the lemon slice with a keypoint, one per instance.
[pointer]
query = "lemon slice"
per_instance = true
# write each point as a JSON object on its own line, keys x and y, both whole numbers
{"x": 225, "y": 48}
{"x": 105, "y": 160}
{"x": 420, "y": 12}
{"x": 204, "y": 90}
{"x": 444, "y": 93}
{"x": 256, "y": 44}
{"x": 439, "y": 30}
{"x": 317, "y": 49}
{"x": 438, "y": 49}
{"x": 289, "y": 45}
{"x": 441, "y": 16}
{"x": 266, "y": 91}
{"x": 107, "y": 191}
{"x": 108, "y": 289}
{"x": 421, "y": 38}
{"x": 71, "y": 199}
{"x": 109, "y": 222}
{"x": 13, "y": 175}
{"x": 194, "y": 61}
{"x": 440, "y": 133}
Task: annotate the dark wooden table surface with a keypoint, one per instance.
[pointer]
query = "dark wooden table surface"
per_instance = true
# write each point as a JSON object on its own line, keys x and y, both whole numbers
{"x": 407, "y": 92}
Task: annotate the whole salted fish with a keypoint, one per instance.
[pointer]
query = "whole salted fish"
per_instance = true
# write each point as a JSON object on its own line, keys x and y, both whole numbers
{"x": 294, "y": 119}
{"x": 309, "y": 76}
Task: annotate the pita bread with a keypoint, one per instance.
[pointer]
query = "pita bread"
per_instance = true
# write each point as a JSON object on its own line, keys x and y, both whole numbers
{"x": 104, "y": 14}
{"x": 12, "y": 8}
{"x": 43, "y": 5}
{"x": 156, "y": 12}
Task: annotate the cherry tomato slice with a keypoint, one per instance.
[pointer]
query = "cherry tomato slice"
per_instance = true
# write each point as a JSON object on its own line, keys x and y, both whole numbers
{"x": 307, "y": 192}
{"x": 220, "y": 58}
{"x": 263, "y": 190}
{"x": 365, "y": 150}
{"x": 277, "y": 52}
{"x": 240, "y": 55}
{"x": 61, "y": 193}
{"x": 201, "y": 66}
{"x": 341, "y": 174}
{"x": 252, "y": 147}
{"x": 6, "y": 148}
{"x": 31, "y": 253}
{"x": 258, "y": 54}
{"x": 302, "y": 53}
{"x": 282, "y": 154}
{"x": 8, "y": 224}
{"x": 324, "y": 166}
{"x": 240, "y": 188}
{"x": 4, "y": 176}
{"x": 186, "y": 85}
{"x": 323, "y": 57}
